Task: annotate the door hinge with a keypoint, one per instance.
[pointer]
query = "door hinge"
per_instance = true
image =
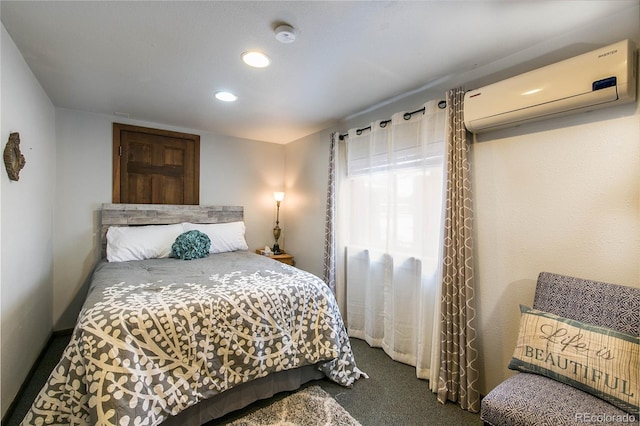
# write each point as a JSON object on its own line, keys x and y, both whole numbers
{"x": 120, "y": 150}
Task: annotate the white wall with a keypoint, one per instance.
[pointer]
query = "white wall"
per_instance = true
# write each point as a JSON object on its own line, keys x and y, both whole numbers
{"x": 560, "y": 196}
{"x": 27, "y": 222}
{"x": 232, "y": 172}
{"x": 306, "y": 165}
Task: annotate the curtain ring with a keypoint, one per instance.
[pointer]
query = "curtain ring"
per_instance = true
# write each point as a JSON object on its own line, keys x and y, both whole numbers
{"x": 359, "y": 131}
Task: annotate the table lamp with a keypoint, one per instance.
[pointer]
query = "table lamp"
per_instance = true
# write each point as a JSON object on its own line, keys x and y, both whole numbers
{"x": 278, "y": 196}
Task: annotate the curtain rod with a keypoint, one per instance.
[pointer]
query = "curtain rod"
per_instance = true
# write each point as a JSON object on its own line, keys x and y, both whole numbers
{"x": 383, "y": 123}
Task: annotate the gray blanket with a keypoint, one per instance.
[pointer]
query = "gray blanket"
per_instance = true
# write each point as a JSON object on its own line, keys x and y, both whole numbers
{"x": 156, "y": 336}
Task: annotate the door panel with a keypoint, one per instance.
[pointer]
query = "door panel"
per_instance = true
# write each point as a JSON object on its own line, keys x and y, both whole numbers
{"x": 139, "y": 189}
{"x": 154, "y": 166}
{"x": 172, "y": 190}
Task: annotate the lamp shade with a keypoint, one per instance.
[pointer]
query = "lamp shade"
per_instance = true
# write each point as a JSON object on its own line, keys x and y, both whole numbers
{"x": 278, "y": 196}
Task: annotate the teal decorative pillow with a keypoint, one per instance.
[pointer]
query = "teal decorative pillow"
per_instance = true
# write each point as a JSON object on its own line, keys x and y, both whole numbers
{"x": 597, "y": 360}
{"x": 191, "y": 245}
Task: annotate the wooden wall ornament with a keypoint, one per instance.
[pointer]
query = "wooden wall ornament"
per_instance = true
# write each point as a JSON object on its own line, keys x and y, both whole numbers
{"x": 13, "y": 159}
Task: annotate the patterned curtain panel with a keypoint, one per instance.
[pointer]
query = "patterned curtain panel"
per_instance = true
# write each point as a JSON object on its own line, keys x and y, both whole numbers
{"x": 458, "y": 378}
{"x": 329, "y": 269}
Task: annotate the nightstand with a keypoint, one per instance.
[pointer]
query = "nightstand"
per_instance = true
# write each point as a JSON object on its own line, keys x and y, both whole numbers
{"x": 284, "y": 258}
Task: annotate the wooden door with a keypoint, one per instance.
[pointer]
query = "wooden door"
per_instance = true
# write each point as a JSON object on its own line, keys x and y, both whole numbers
{"x": 152, "y": 166}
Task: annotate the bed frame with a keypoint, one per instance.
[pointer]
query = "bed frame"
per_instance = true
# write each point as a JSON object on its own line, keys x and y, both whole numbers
{"x": 239, "y": 396}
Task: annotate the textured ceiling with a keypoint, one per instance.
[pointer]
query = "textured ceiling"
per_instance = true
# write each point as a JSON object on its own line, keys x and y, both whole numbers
{"x": 162, "y": 61}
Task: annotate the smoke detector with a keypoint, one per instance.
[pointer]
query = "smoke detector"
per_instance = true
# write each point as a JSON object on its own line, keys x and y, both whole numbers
{"x": 285, "y": 33}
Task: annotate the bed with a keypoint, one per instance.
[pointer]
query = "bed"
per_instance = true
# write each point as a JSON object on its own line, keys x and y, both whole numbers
{"x": 172, "y": 341}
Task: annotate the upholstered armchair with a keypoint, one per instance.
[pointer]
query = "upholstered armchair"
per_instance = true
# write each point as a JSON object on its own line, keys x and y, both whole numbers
{"x": 577, "y": 356}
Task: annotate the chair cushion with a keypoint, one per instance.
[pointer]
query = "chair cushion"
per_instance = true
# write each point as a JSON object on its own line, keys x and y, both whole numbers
{"x": 530, "y": 399}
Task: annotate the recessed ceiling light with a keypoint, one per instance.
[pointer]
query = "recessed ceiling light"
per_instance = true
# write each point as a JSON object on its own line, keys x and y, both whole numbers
{"x": 256, "y": 59}
{"x": 226, "y": 96}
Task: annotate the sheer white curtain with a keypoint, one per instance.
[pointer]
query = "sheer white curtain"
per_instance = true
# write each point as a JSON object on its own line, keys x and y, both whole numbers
{"x": 391, "y": 205}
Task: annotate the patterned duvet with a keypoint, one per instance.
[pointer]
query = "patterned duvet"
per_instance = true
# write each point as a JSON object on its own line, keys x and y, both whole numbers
{"x": 154, "y": 337}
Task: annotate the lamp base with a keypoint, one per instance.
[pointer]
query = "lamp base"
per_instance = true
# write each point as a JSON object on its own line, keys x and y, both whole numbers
{"x": 276, "y": 249}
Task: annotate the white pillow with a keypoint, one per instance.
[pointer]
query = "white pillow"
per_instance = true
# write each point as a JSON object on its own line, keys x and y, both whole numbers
{"x": 141, "y": 242}
{"x": 224, "y": 236}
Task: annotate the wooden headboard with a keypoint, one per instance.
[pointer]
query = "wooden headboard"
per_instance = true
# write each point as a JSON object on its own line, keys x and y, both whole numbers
{"x": 162, "y": 214}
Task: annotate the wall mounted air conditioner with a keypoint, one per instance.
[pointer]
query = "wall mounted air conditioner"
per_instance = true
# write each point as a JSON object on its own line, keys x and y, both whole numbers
{"x": 604, "y": 77}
